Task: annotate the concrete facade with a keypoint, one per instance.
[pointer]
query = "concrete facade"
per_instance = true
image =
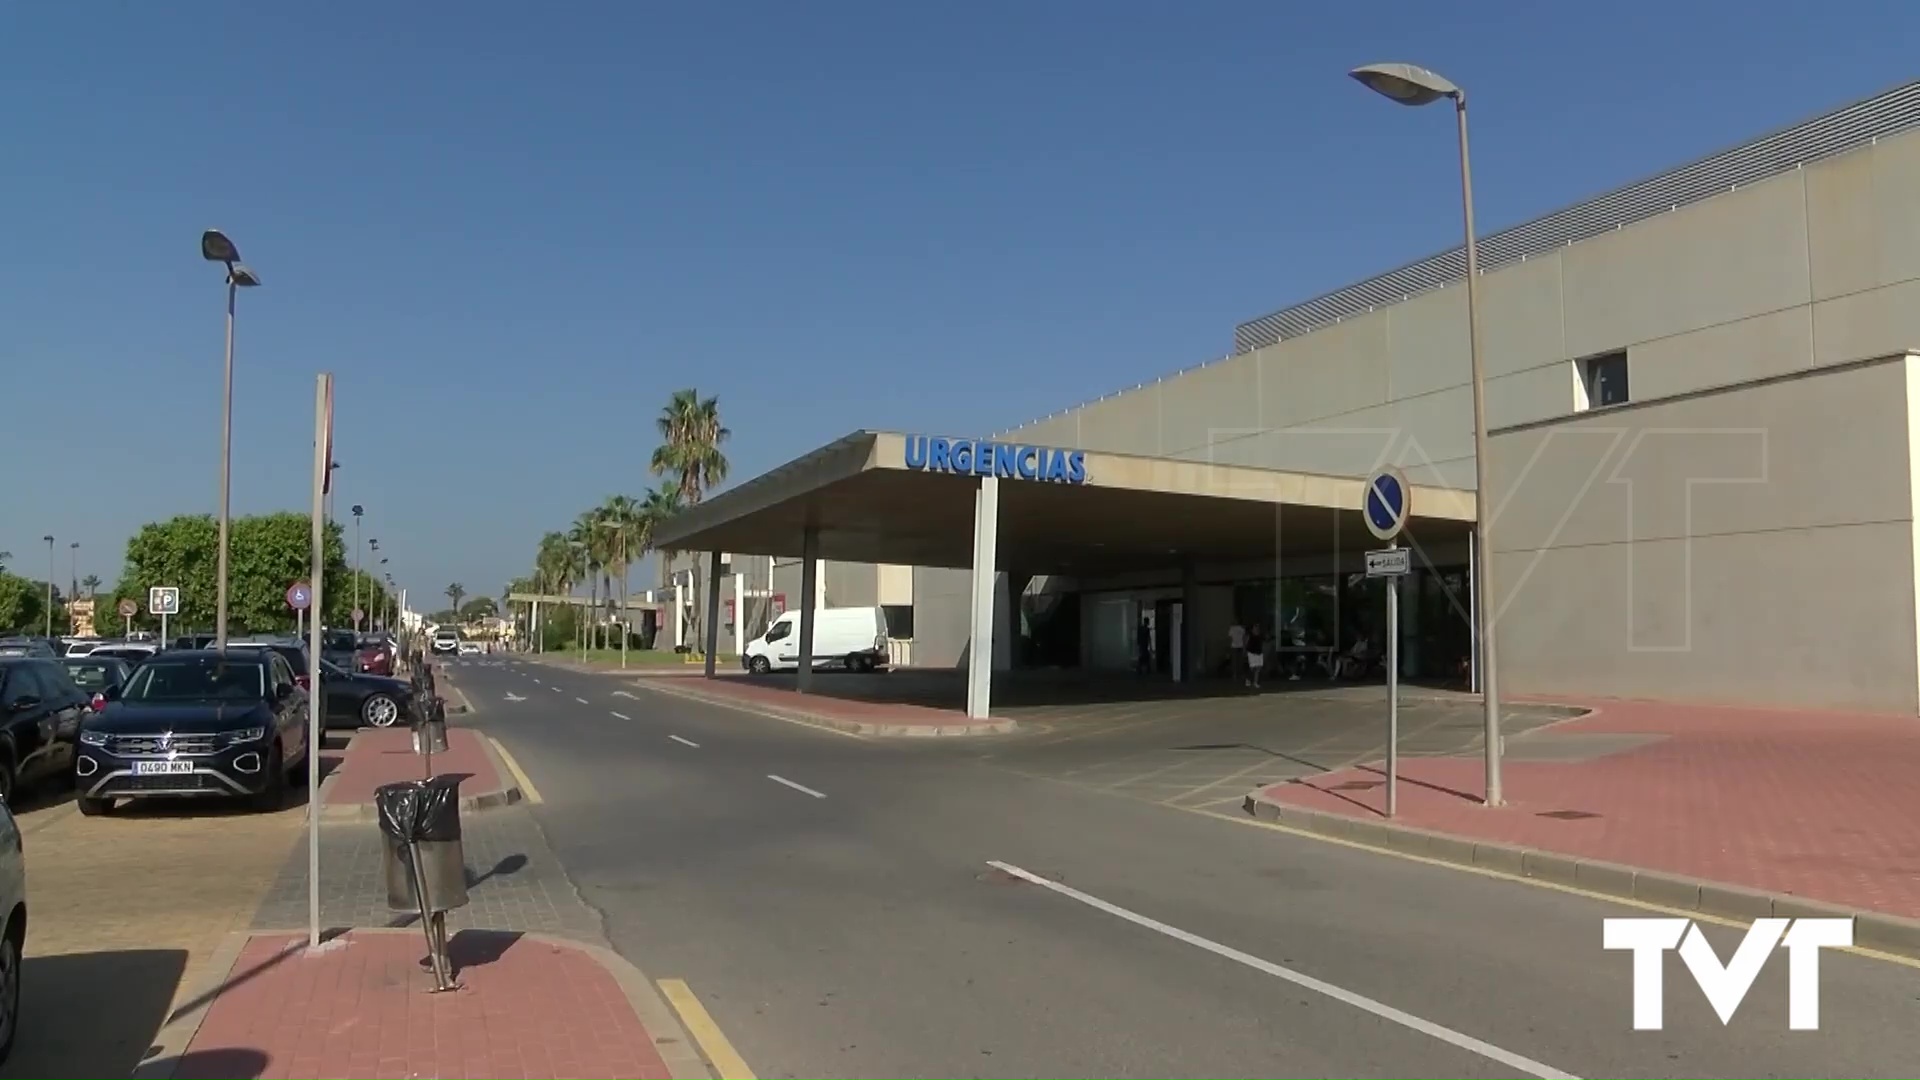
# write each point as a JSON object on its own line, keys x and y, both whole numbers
{"x": 1764, "y": 334}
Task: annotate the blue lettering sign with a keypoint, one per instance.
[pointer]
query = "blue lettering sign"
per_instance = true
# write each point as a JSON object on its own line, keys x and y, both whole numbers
{"x": 978, "y": 457}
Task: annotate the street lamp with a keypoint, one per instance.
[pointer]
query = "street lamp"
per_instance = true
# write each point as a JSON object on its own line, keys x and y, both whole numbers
{"x": 215, "y": 247}
{"x": 357, "y": 511}
{"x": 73, "y": 570}
{"x": 49, "y": 541}
{"x": 1410, "y": 85}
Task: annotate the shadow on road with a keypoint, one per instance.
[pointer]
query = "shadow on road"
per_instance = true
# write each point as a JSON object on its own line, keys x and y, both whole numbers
{"x": 92, "y": 1014}
{"x": 233, "y": 1063}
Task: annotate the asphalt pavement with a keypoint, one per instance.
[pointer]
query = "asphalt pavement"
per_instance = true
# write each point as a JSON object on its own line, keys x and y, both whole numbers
{"x": 862, "y": 907}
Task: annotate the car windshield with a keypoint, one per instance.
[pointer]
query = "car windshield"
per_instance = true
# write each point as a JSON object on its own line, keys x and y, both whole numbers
{"x": 91, "y": 676}
{"x": 198, "y": 679}
{"x": 338, "y": 641}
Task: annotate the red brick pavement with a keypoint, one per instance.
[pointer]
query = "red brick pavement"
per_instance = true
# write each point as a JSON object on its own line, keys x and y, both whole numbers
{"x": 1820, "y": 805}
{"x": 361, "y": 1008}
{"x": 383, "y": 756}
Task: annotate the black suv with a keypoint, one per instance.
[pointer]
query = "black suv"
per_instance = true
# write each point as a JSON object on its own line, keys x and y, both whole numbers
{"x": 40, "y": 714}
{"x": 197, "y": 723}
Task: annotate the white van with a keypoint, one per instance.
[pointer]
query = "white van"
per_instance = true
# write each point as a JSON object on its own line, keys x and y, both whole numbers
{"x": 850, "y": 637}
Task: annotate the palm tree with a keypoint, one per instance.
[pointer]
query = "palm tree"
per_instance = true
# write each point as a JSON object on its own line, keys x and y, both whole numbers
{"x": 627, "y": 535}
{"x": 586, "y": 537}
{"x": 92, "y": 584}
{"x": 691, "y": 436}
{"x": 454, "y": 592}
{"x": 656, "y": 507}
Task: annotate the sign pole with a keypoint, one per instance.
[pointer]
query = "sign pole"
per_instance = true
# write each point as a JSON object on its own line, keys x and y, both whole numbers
{"x": 316, "y": 725}
{"x": 1393, "y": 689}
{"x": 163, "y": 630}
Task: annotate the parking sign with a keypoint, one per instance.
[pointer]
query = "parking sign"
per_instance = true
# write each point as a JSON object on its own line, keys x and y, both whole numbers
{"x": 163, "y": 600}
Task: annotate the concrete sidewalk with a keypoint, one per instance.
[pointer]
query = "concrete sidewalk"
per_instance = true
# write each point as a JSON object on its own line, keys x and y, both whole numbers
{"x": 1736, "y": 812}
{"x": 383, "y": 756}
{"x": 528, "y": 1006}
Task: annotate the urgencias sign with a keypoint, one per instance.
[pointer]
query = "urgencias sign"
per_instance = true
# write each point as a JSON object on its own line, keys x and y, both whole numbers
{"x": 979, "y": 457}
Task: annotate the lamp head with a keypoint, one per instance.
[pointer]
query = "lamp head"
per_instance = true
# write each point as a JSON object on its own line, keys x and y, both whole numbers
{"x": 1405, "y": 83}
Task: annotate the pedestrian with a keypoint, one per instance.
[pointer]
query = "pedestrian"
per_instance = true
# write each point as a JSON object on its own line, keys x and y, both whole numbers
{"x": 1237, "y": 650}
{"x": 1143, "y": 647}
{"x": 1256, "y": 656}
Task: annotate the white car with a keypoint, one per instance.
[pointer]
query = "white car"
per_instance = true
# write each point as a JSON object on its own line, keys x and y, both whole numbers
{"x": 470, "y": 648}
{"x": 446, "y": 641}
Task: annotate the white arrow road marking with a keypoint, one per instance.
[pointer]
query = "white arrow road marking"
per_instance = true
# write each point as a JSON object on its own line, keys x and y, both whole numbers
{"x": 624, "y": 694}
{"x": 511, "y": 696}
{"x": 801, "y": 788}
{"x": 690, "y": 742}
{"x": 555, "y": 689}
{"x": 581, "y": 700}
{"x": 621, "y": 716}
{"x": 536, "y": 678}
{"x": 1359, "y": 1001}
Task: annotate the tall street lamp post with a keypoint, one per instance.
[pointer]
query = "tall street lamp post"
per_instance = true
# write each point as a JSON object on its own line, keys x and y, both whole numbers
{"x": 73, "y": 571}
{"x": 1410, "y": 85}
{"x": 215, "y": 247}
{"x": 357, "y": 511}
{"x": 49, "y": 541}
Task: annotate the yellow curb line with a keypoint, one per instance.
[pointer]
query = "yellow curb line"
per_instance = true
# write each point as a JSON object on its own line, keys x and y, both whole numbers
{"x": 727, "y": 1062}
{"x": 1572, "y": 890}
{"x": 527, "y": 790}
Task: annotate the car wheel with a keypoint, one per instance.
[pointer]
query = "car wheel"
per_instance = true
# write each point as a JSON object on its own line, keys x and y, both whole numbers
{"x": 759, "y": 665}
{"x": 6, "y": 777}
{"x": 274, "y": 795}
{"x": 380, "y": 711}
{"x": 93, "y": 807}
{"x": 9, "y": 988}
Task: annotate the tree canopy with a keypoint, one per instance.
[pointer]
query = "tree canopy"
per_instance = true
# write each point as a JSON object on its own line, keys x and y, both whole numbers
{"x": 268, "y": 553}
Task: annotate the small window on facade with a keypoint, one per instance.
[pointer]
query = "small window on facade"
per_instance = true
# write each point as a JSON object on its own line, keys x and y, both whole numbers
{"x": 1604, "y": 380}
{"x": 899, "y": 620}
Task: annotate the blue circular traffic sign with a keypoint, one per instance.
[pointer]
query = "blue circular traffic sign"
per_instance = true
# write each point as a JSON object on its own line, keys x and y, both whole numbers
{"x": 1386, "y": 503}
{"x": 299, "y": 597}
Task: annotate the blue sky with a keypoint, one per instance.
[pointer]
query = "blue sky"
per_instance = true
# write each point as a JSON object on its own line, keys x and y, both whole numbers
{"x": 512, "y": 230}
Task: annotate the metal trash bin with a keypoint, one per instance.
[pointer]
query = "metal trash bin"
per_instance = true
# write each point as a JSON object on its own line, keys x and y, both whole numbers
{"x": 425, "y": 864}
{"x": 430, "y": 727}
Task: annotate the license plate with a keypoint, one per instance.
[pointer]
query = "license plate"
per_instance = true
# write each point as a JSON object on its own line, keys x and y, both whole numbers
{"x": 164, "y": 768}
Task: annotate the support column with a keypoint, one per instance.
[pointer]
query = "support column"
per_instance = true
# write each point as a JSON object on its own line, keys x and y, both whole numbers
{"x": 533, "y": 627}
{"x": 980, "y": 652}
{"x": 820, "y": 577}
{"x": 739, "y": 615}
{"x": 1189, "y": 622}
{"x": 679, "y": 614}
{"x": 713, "y": 609}
{"x": 809, "y": 592}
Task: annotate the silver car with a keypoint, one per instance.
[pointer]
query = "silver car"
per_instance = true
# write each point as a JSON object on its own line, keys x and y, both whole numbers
{"x": 13, "y": 940}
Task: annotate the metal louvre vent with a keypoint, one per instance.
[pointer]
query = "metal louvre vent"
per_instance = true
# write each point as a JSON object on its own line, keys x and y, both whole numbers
{"x": 1840, "y": 131}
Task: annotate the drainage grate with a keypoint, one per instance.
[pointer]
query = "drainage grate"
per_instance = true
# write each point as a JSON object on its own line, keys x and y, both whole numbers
{"x": 1567, "y": 815}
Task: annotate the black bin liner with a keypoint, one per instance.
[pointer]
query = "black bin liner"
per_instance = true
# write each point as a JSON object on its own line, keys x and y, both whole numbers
{"x": 420, "y": 810}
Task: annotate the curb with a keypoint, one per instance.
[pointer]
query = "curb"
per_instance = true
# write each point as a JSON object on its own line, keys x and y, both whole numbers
{"x": 170, "y": 1043}
{"x": 851, "y": 727}
{"x": 1871, "y": 930}
{"x": 486, "y": 800}
{"x": 670, "y": 1039}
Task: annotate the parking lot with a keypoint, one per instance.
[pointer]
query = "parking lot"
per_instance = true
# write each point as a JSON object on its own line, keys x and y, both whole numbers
{"x": 125, "y": 914}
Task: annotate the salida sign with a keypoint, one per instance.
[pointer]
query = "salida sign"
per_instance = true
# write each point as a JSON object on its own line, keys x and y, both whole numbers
{"x": 1726, "y": 985}
{"x": 979, "y": 457}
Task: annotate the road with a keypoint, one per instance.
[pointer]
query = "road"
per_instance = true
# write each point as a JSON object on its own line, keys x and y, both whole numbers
{"x": 854, "y": 907}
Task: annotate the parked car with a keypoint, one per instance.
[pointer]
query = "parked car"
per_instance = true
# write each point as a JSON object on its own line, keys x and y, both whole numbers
{"x": 82, "y": 646}
{"x": 197, "y": 722}
{"x": 852, "y": 637}
{"x": 355, "y": 699}
{"x": 40, "y": 717}
{"x": 191, "y": 642}
{"x": 373, "y": 658}
{"x": 446, "y": 641}
{"x": 13, "y": 941}
{"x": 341, "y": 648}
{"x": 294, "y": 652}
{"x": 132, "y": 651}
{"x": 25, "y": 646}
{"x": 99, "y": 677}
